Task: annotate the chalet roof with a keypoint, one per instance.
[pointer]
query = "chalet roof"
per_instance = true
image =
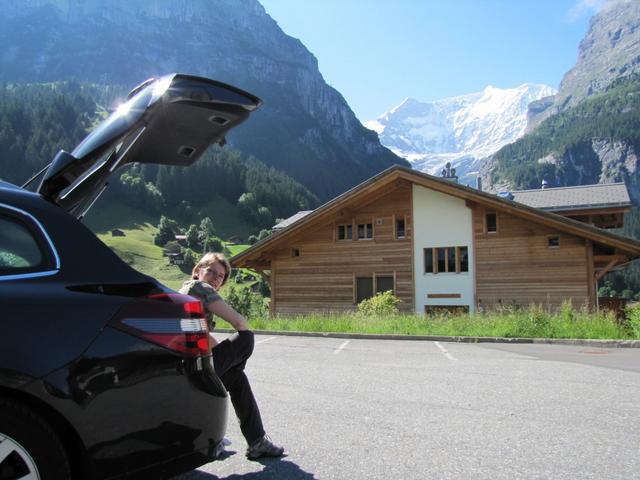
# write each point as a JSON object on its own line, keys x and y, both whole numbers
{"x": 293, "y": 218}
{"x": 575, "y": 198}
{"x": 380, "y": 184}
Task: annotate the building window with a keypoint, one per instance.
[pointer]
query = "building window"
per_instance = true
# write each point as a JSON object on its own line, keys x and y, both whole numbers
{"x": 345, "y": 232}
{"x": 428, "y": 260}
{"x": 384, "y": 284}
{"x": 400, "y": 230}
{"x": 365, "y": 231}
{"x": 463, "y": 255}
{"x": 446, "y": 260}
{"x": 553, "y": 241}
{"x": 441, "y": 255}
{"x": 491, "y": 222}
{"x": 451, "y": 259}
{"x": 364, "y": 288}
{"x": 295, "y": 252}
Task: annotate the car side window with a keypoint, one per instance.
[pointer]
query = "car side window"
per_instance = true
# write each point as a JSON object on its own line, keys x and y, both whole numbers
{"x": 20, "y": 250}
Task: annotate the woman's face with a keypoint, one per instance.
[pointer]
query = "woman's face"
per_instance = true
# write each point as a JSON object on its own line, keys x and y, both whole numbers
{"x": 213, "y": 274}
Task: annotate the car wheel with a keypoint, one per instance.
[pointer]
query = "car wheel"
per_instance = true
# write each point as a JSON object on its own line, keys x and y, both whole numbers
{"x": 29, "y": 448}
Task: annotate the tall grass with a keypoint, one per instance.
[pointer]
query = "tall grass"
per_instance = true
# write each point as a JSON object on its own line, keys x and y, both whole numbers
{"x": 533, "y": 322}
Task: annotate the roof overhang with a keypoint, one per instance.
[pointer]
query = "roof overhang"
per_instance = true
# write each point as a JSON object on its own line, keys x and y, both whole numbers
{"x": 259, "y": 255}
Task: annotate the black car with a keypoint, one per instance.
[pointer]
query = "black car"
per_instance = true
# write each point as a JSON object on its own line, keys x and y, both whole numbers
{"x": 105, "y": 372}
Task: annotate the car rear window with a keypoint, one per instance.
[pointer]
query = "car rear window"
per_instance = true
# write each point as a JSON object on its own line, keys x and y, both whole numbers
{"x": 19, "y": 248}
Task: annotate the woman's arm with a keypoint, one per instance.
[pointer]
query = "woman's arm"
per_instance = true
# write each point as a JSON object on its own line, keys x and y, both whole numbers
{"x": 224, "y": 311}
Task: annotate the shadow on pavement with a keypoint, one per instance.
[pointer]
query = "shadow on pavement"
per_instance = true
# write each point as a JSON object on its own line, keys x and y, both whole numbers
{"x": 273, "y": 469}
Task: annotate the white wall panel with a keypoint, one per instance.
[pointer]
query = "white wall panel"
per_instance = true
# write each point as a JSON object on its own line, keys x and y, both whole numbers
{"x": 440, "y": 220}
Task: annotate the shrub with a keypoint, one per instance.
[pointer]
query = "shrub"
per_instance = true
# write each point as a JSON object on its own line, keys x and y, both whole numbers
{"x": 384, "y": 303}
{"x": 167, "y": 229}
{"x": 243, "y": 300}
{"x": 633, "y": 321}
{"x": 190, "y": 259}
{"x": 192, "y": 237}
{"x": 213, "y": 244}
{"x": 172, "y": 247}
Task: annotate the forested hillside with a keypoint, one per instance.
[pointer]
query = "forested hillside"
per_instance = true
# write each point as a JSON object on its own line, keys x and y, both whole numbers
{"x": 562, "y": 151}
{"x": 38, "y": 120}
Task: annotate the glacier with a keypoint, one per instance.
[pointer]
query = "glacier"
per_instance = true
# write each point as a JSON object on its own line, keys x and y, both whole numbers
{"x": 462, "y": 130}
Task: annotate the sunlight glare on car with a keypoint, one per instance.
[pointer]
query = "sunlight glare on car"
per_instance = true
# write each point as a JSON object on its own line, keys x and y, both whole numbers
{"x": 161, "y": 86}
{"x": 123, "y": 109}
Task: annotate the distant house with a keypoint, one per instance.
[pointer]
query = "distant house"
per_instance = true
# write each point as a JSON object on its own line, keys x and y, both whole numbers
{"x": 437, "y": 244}
{"x": 116, "y": 232}
{"x": 181, "y": 239}
{"x": 176, "y": 258}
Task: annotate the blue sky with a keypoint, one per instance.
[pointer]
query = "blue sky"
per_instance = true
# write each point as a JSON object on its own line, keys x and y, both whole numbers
{"x": 378, "y": 52}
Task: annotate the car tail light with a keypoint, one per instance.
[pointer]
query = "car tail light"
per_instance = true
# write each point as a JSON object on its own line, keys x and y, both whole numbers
{"x": 171, "y": 320}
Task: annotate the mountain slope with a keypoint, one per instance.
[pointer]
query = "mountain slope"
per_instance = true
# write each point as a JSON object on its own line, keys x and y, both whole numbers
{"x": 610, "y": 50}
{"x": 459, "y": 130}
{"x": 597, "y": 141}
{"x": 305, "y": 127}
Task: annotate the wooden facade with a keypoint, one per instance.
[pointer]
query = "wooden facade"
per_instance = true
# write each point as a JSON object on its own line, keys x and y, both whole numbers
{"x": 522, "y": 263}
{"x": 318, "y": 272}
{"x": 530, "y": 256}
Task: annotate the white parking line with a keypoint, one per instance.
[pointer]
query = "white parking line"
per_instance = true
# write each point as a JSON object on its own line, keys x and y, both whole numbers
{"x": 265, "y": 340}
{"x": 341, "y": 347}
{"x": 445, "y": 352}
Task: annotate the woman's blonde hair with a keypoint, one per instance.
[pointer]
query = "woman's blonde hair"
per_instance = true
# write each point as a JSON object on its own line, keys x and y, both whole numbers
{"x": 209, "y": 259}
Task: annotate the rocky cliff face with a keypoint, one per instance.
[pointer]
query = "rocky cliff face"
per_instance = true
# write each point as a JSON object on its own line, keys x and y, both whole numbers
{"x": 305, "y": 127}
{"x": 619, "y": 162}
{"x": 610, "y": 50}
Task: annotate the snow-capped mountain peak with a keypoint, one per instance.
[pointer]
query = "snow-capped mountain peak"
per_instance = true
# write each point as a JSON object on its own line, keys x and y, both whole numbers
{"x": 459, "y": 129}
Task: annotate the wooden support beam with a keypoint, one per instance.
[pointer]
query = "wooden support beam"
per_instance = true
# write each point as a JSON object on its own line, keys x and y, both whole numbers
{"x": 272, "y": 285}
{"x": 266, "y": 277}
{"x": 614, "y": 261}
{"x": 608, "y": 258}
{"x": 592, "y": 282}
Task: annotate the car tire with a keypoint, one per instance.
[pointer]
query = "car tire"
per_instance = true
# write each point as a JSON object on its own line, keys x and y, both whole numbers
{"x": 29, "y": 446}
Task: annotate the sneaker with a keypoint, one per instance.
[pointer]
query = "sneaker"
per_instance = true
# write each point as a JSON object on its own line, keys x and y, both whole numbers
{"x": 264, "y": 447}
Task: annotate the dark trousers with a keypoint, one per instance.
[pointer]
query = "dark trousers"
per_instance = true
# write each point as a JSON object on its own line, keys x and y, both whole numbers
{"x": 229, "y": 359}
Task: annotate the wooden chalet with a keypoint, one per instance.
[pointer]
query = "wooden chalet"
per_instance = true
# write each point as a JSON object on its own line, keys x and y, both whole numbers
{"x": 437, "y": 244}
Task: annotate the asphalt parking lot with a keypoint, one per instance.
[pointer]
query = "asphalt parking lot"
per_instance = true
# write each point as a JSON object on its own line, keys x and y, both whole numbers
{"x": 385, "y": 409}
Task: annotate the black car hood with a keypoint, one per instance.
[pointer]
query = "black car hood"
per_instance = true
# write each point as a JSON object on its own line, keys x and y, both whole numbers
{"x": 170, "y": 120}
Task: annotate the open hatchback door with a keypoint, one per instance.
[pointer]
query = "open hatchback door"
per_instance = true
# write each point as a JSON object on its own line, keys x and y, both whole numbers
{"x": 170, "y": 120}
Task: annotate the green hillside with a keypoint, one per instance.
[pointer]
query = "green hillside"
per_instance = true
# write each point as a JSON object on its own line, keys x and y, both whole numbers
{"x": 109, "y": 213}
{"x": 137, "y": 249}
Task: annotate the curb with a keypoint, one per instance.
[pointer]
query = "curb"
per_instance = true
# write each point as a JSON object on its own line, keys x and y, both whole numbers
{"x": 454, "y": 339}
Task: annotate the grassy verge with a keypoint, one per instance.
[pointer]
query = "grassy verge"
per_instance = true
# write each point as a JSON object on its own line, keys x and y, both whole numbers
{"x": 531, "y": 323}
